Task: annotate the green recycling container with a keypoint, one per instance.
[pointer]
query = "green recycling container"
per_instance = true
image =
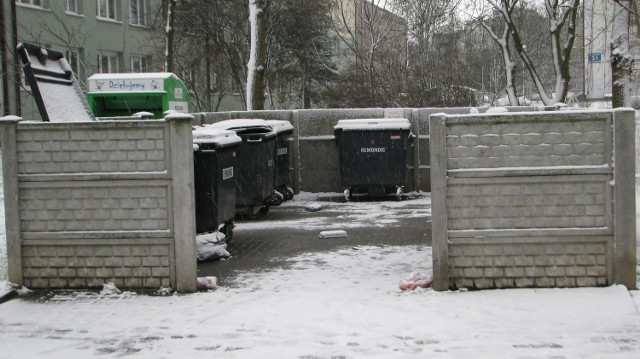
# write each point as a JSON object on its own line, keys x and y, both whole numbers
{"x": 124, "y": 94}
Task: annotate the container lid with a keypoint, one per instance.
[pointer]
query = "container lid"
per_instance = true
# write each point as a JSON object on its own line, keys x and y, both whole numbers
{"x": 373, "y": 124}
{"x": 239, "y": 123}
{"x": 281, "y": 126}
{"x": 247, "y": 126}
{"x": 217, "y": 136}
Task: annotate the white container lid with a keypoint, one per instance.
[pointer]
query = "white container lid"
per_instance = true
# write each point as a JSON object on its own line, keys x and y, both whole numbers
{"x": 240, "y": 123}
{"x": 280, "y": 125}
{"x": 210, "y": 134}
{"x": 373, "y": 124}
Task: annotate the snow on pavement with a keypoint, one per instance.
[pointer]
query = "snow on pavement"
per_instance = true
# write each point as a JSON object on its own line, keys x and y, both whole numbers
{"x": 343, "y": 304}
{"x": 353, "y": 214}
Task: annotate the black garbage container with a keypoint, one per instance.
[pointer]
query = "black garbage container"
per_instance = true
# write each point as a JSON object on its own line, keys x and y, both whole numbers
{"x": 373, "y": 155}
{"x": 214, "y": 157}
{"x": 282, "y": 179}
{"x": 255, "y": 189}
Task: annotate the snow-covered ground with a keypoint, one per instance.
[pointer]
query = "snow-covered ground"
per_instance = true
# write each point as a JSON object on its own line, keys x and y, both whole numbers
{"x": 342, "y": 304}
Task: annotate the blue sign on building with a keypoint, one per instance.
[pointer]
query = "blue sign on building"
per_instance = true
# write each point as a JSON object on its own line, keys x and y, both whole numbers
{"x": 595, "y": 57}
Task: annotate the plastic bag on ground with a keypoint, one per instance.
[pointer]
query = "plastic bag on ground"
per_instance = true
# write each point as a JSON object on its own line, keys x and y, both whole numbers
{"x": 206, "y": 283}
{"x": 211, "y": 247}
{"x": 415, "y": 280}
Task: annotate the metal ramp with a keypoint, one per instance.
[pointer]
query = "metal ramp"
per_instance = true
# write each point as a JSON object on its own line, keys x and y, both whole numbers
{"x": 54, "y": 87}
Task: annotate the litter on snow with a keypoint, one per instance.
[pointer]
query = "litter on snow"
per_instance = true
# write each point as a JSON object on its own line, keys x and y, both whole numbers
{"x": 333, "y": 234}
{"x": 212, "y": 246}
{"x": 415, "y": 280}
{"x": 313, "y": 207}
{"x": 207, "y": 283}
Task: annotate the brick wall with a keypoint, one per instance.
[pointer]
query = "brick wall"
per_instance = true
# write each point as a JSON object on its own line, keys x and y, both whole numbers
{"x": 100, "y": 202}
{"x": 533, "y": 200}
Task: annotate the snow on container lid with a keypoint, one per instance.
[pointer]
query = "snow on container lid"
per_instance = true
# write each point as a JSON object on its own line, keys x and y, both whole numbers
{"x": 220, "y": 137}
{"x": 240, "y": 123}
{"x": 281, "y": 126}
{"x": 373, "y": 124}
{"x": 247, "y": 126}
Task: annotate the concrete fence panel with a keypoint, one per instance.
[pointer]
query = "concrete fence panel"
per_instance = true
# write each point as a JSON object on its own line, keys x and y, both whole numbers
{"x": 89, "y": 203}
{"x": 533, "y": 199}
{"x": 315, "y": 165}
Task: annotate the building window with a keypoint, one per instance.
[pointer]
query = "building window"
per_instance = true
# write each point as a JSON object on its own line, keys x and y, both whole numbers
{"x": 137, "y": 12}
{"x": 107, "y": 9}
{"x": 138, "y": 64}
{"x": 108, "y": 63}
{"x": 71, "y": 6}
{"x": 36, "y": 3}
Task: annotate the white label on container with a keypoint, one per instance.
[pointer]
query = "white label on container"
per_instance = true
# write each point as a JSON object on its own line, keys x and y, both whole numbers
{"x": 227, "y": 173}
{"x": 270, "y": 163}
{"x": 177, "y": 92}
{"x": 373, "y": 149}
{"x": 282, "y": 151}
{"x": 126, "y": 85}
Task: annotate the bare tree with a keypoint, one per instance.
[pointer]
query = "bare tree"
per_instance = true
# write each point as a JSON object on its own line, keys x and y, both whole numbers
{"x": 633, "y": 7}
{"x": 621, "y": 59}
{"x": 376, "y": 39}
{"x": 210, "y": 48}
{"x": 502, "y": 39}
{"x": 432, "y": 25}
{"x": 169, "y": 33}
{"x": 562, "y": 15}
{"x": 300, "y": 51}
{"x": 256, "y": 67}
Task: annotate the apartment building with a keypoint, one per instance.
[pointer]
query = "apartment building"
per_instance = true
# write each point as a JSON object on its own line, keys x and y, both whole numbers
{"x": 96, "y": 36}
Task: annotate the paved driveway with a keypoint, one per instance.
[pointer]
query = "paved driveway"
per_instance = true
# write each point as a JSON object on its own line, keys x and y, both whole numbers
{"x": 293, "y": 228}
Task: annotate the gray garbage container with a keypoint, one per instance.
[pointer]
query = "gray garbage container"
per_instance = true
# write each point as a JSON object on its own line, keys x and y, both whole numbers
{"x": 373, "y": 155}
{"x": 214, "y": 157}
{"x": 255, "y": 166}
{"x": 282, "y": 170}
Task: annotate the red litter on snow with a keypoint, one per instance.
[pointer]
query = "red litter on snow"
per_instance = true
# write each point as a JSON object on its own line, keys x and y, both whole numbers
{"x": 415, "y": 280}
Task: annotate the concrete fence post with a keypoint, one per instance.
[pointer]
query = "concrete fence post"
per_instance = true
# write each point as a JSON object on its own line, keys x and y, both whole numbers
{"x": 625, "y": 200}
{"x": 183, "y": 191}
{"x": 296, "y": 151}
{"x": 415, "y": 125}
{"x": 437, "y": 146}
{"x": 8, "y": 130}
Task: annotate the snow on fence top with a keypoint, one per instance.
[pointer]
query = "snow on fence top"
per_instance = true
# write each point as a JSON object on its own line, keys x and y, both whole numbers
{"x": 373, "y": 124}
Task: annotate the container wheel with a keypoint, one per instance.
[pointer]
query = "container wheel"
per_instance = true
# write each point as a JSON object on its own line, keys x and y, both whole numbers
{"x": 288, "y": 193}
{"x": 276, "y": 198}
{"x": 264, "y": 209}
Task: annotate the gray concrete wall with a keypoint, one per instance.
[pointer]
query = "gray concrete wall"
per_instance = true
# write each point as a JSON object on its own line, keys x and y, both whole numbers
{"x": 533, "y": 200}
{"x": 90, "y": 203}
{"x": 315, "y": 164}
